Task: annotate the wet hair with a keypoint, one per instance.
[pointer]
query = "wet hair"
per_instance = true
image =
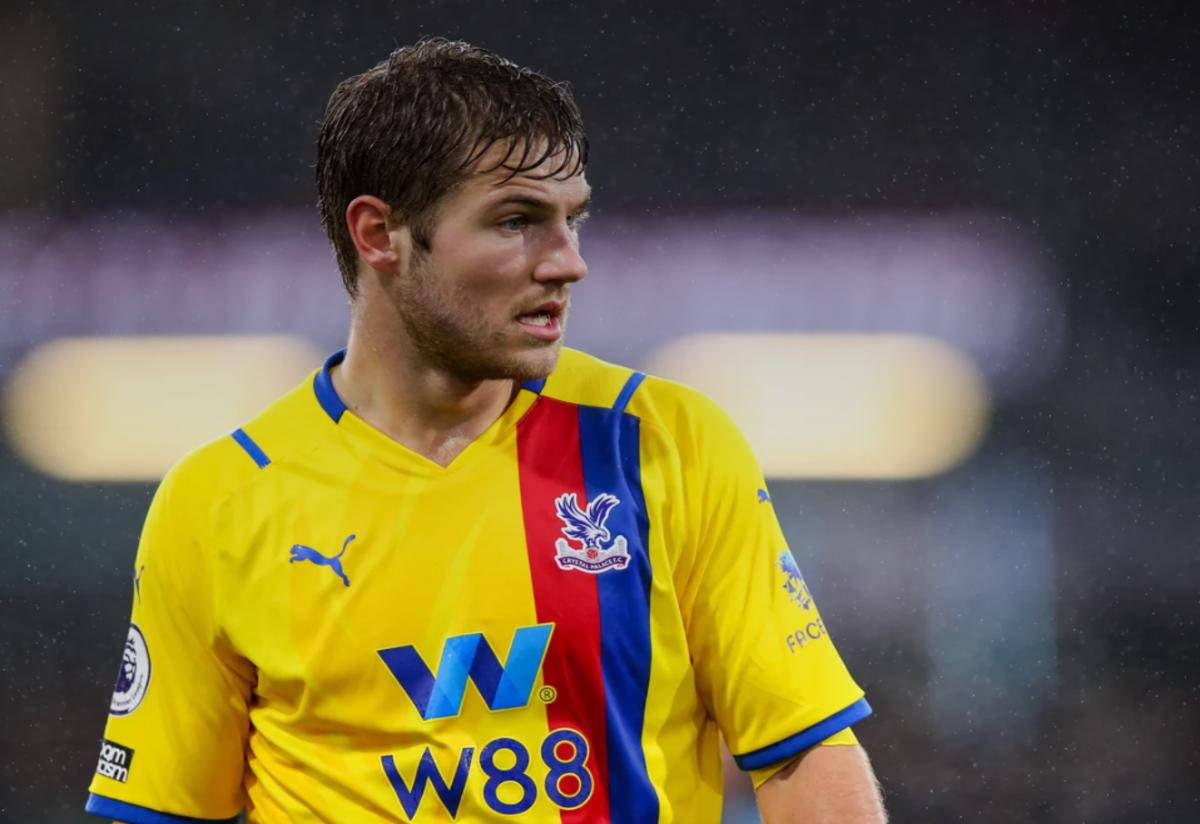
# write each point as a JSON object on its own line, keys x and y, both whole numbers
{"x": 410, "y": 130}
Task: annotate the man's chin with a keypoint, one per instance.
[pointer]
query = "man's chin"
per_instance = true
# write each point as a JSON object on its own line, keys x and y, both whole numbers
{"x": 535, "y": 364}
{"x": 524, "y": 364}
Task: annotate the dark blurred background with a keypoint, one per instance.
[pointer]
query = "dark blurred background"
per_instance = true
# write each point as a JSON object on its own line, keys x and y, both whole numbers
{"x": 1024, "y": 623}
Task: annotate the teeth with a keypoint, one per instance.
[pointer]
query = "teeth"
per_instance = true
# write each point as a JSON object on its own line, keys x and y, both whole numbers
{"x": 537, "y": 318}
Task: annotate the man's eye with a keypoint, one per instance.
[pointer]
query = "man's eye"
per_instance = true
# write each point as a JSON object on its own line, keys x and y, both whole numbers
{"x": 514, "y": 223}
{"x": 576, "y": 220}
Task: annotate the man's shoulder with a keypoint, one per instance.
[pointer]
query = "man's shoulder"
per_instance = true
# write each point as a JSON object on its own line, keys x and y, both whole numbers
{"x": 586, "y": 380}
{"x": 289, "y": 425}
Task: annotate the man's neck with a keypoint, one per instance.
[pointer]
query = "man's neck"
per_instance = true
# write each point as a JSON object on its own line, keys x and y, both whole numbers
{"x": 433, "y": 413}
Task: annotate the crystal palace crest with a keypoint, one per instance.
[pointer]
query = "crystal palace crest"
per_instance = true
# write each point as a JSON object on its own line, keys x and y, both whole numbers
{"x": 599, "y": 551}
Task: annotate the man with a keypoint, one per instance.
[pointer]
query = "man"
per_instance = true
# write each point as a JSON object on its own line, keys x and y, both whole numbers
{"x": 462, "y": 573}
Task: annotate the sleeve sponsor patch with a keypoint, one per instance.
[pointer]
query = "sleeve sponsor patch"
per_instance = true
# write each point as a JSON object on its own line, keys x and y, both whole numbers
{"x": 115, "y": 761}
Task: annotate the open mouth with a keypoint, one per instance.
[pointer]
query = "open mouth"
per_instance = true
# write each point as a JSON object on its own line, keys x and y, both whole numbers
{"x": 537, "y": 318}
{"x": 543, "y": 322}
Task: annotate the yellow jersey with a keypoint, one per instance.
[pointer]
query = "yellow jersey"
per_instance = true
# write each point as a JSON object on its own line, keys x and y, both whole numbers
{"x": 559, "y": 625}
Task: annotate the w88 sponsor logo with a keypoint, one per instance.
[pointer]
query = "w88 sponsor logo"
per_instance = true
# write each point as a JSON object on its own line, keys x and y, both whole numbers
{"x": 509, "y": 790}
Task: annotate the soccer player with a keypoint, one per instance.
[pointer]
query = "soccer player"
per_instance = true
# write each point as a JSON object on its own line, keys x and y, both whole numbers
{"x": 462, "y": 573}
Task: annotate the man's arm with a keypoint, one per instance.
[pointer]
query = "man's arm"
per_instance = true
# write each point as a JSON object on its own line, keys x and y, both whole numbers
{"x": 181, "y": 679}
{"x": 823, "y": 785}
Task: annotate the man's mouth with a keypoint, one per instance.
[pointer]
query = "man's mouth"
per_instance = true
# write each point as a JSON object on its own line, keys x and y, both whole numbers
{"x": 545, "y": 321}
{"x": 537, "y": 318}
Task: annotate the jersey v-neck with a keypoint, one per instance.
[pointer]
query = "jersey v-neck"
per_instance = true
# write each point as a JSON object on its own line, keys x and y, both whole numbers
{"x": 365, "y": 437}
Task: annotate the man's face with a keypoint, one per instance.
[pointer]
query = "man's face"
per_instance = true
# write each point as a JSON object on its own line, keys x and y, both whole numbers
{"x": 489, "y": 299}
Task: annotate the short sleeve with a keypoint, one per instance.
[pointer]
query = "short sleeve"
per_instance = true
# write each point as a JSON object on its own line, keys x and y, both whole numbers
{"x": 766, "y": 667}
{"x": 174, "y": 745}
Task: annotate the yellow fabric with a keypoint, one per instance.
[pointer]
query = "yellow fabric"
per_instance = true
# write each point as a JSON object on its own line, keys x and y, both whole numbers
{"x": 267, "y": 685}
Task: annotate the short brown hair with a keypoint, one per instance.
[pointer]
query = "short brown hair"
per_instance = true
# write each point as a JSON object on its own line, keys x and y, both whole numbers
{"x": 410, "y": 129}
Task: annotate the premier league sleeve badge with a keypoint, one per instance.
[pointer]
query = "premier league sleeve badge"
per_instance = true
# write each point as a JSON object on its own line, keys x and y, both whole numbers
{"x": 134, "y": 676}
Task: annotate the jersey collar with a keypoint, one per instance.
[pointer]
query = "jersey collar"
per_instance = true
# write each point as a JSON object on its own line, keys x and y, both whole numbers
{"x": 327, "y": 396}
{"x": 391, "y": 452}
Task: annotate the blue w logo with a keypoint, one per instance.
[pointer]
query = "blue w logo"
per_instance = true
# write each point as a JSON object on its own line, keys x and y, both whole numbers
{"x": 470, "y": 656}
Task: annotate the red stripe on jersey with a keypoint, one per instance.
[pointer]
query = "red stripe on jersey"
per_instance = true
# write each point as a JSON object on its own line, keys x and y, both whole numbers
{"x": 550, "y": 465}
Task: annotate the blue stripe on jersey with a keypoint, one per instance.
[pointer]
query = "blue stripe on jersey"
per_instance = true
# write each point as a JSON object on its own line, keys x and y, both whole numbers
{"x": 609, "y": 441}
{"x": 801, "y": 741}
{"x": 536, "y": 386}
{"x": 631, "y": 385}
{"x": 252, "y": 449}
{"x": 132, "y": 813}
{"x": 327, "y": 396}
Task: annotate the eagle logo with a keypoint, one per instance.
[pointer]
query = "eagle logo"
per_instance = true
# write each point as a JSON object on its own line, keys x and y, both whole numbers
{"x": 793, "y": 582}
{"x": 599, "y": 551}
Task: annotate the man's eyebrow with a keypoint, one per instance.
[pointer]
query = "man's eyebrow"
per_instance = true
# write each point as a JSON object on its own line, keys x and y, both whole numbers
{"x": 544, "y": 204}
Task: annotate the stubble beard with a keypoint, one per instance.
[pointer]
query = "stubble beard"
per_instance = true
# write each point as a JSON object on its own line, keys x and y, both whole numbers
{"x": 438, "y": 321}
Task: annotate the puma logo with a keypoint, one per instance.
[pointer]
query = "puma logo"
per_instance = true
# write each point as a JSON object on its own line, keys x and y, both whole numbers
{"x": 300, "y": 552}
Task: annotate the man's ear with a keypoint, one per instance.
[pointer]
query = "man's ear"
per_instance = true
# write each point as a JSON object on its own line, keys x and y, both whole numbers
{"x": 381, "y": 245}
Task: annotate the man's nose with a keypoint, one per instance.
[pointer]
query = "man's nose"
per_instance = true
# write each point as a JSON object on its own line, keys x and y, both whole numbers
{"x": 560, "y": 258}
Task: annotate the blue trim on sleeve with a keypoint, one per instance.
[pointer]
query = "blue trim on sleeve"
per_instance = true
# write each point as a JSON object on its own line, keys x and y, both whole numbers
{"x": 252, "y": 449}
{"x": 327, "y": 396}
{"x": 536, "y": 386}
{"x": 631, "y": 385}
{"x": 801, "y": 741}
{"x": 133, "y": 814}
